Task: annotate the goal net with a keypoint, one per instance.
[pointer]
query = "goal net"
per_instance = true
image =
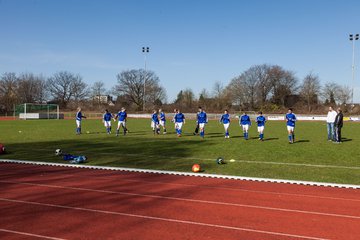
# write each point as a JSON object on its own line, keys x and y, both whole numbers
{"x": 38, "y": 111}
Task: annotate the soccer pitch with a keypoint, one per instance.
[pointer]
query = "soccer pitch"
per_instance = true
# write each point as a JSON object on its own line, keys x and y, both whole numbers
{"x": 310, "y": 158}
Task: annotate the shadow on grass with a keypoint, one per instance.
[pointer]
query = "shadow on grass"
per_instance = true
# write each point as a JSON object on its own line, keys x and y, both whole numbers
{"x": 270, "y": 139}
{"x": 302, "y": 141}
{"x": 346, "y": 139}
{"x": 136, "y": 152}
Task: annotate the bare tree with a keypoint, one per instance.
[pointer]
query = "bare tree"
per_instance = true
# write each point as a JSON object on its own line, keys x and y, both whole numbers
{"x": 263, "y": 82}
{"x": 283, "y": 84}
{"x": 249, "y": 84}
{"x": 97, "y": 90}
{"x": 79, "y": 89}
{"x": 188, "y": 98}
{"x": 8, "y": 91}
{"x": 343, "y": 94}
{"x": 64, "y": 86}
{"x": 310, "y": 90}
{"x": 329, "y": 92}
{"x": 31, "y": 88}
{"x": 237, "y": 92}
{"x": 131, "y": 84}
{"x": 219, "y": 95}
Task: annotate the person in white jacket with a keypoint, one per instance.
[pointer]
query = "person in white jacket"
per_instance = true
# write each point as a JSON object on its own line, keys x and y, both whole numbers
{"x": 330, "y": 119}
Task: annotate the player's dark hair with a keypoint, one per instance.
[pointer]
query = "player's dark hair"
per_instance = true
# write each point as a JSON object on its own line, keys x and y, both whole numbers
{"x": 290, "y": 109}
{"x": 260, "y": 113}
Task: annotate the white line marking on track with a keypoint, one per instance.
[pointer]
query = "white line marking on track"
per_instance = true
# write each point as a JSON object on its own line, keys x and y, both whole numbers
{"x": 216, "y": 187}
{"x": 163, "y": 219}
{"x": 30, "y": 234}
{"x": 139, "y": 170}
{"x": 191, "y": 200}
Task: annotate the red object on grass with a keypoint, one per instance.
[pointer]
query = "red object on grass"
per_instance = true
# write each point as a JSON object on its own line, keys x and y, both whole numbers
{"x": 2, "y": 149}
{"x": 196, "y": 168}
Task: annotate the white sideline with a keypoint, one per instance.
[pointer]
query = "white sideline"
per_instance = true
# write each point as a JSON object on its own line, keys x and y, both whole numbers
{"x": 30, "y": 234}
{"x": 308, "y": 183}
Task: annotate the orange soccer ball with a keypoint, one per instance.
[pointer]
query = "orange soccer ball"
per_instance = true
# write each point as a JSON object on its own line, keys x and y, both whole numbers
{"x": 196, "y": 168}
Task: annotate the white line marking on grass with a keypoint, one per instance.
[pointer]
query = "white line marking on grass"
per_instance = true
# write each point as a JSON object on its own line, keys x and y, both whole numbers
{"x": 247, "y": 161}
{"x": 29, "y": 234}
{"x": 139, "y": 170}
{"x": 161, "y": 219}
{"x": 189, "y": 200}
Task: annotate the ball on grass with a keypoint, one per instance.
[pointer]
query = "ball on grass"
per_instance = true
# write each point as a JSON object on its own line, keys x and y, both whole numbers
{"x": 196, "y": 168}
{"x": 232, "y": 160}
{"x": 220, "y": 160}
{"x": 58, "y": 152}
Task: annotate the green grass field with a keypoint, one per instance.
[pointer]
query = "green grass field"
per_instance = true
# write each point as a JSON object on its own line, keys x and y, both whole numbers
{"x": 311, "y": 158}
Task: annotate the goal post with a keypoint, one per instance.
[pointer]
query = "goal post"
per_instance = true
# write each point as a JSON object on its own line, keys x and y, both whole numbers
{"x": 38, "y": 111}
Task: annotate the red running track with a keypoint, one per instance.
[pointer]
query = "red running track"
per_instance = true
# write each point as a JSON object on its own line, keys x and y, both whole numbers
{"x": 47, "y": 202}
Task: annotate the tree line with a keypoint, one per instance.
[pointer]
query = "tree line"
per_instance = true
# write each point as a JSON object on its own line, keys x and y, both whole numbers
{"x": 269, "y": 88}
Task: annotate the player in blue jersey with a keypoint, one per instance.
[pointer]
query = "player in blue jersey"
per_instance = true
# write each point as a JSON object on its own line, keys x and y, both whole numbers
{"x": 155, "y": 122}
{"x": 179, "y": 120}
{"x": 225, "y": 120}
{"x": 121, "y": 116}
{"x": 162, "y": 120}
{"x": 107, "y": 121}
{"x": 245, "y": 123}
{"x": 290, "y": 123}
{"x": 260, "y": 120}
{"x": 79, "y": 117}
{"x": 202, "y": 120}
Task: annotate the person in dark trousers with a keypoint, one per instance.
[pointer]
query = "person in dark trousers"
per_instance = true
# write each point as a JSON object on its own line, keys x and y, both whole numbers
{"x": 338, "y": 125}
{"x": 196, "y": 131}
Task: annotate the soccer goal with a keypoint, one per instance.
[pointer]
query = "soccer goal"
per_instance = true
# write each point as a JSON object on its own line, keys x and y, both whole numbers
{"x": 38, "y": 111}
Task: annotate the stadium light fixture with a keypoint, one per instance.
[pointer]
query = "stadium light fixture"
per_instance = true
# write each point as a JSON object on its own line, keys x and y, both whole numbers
{"x": 145, "y": 50}
{"x": 353, "y": 38}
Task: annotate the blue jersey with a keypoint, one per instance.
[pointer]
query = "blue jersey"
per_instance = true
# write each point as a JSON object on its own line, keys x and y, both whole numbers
{"x": 155, "y": 118}
{"x": 225, "y": 118}
{"x": 122, "y": 116}
{"x": 290, "y": 119}
{"x": 107, "y": 116}
{"x": 79, "y": 116}
{"x": 179, "y": 118}
{"x": 162, "y": 116}
{"x": 260, "y": 121}
{"x": 245, "y": 120}
{"x": 201, "y": 117}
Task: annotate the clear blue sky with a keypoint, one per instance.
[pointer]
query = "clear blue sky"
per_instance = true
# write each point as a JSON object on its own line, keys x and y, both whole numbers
{"x": 193, "y": 43}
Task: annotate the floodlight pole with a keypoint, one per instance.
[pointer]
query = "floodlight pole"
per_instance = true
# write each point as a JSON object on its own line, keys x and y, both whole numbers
{"x": 353, "y": 38}
{"x": 145, "y": 50}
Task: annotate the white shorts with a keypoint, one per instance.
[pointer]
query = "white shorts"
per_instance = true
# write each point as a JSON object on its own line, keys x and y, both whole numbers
{"x": 107, "y": 124}
{"x": 123, "y": 123}
{"x": 201, "y": 125}
{"x": 290, "y": 128}
{"x": 245, "y": 127}
{"x": 162, "y": 123}
{"x": 261, "y": 129}
{"x": 178, "y": 125}
{"x": 226, "y": 126}
{"x": 154, "y": 125}
{"x": 78, "y": 123}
